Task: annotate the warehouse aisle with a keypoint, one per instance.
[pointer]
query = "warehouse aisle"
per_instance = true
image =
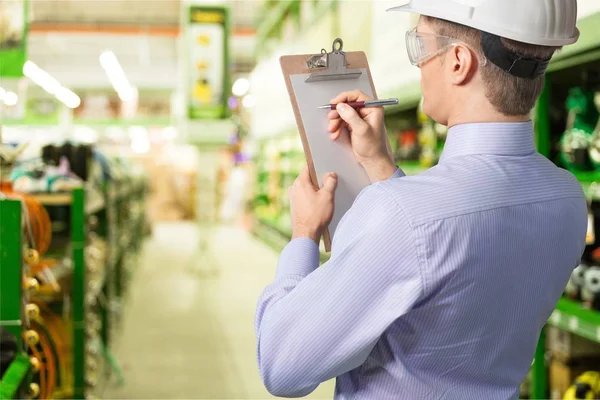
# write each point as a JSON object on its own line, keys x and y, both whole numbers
{"x": 188, "y": 328}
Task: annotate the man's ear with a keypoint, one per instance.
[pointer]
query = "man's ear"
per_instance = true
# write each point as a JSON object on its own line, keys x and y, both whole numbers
{"x": 462, "y": 64}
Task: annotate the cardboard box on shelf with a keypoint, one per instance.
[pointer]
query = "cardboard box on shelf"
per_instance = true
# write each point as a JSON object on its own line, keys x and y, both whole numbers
{"x": 563, "y": 374}
{"x": 566, "y": 345}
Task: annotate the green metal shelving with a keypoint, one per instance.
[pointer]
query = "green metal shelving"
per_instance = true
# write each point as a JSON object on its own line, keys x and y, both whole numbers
{"x": 15, "y": 378}
{"x": 76, "y": 201}
{"x": 115, "y": 226}
{"x": 18, "y": 374}
{"x": 11, "y": 258}
{"x": 78, "y": 243}
{"x": 571, "y": 316}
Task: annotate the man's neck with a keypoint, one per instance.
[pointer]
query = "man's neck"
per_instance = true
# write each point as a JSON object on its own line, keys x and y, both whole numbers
{"x": 478, "y": 112}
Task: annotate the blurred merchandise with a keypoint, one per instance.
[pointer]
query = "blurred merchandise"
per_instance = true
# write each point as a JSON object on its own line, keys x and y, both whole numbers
{"x": 586, "y": 386}
{"x": 431, "y": 138}
{"x": 72, "y": 220}
{"x": 13, "y": 37}
{"x": 576, "y": 282}
{"x": 590, "y": 293}
{"x": 566, "y": 346}
{"x": 563, "y": 375}
{"x": 173, "y": 174}
{"x": 582, "y": 118}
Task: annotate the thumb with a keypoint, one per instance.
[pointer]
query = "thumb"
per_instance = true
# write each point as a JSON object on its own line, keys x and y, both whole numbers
{"x": 350, "y": 115}
{"x": 330, "y": 182}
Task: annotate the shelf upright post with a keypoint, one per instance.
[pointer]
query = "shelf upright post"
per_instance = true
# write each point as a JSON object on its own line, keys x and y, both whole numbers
{"x": 79, "y": 285}
{"x": 18, "y": 373}
{"x": 11, "y": 278}
{"x": 105, "y": 305}
{"x": 119, "y": 247}
{"x": 539, "y": 372}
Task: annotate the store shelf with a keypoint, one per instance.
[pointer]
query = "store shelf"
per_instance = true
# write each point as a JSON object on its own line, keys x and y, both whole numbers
{"x": 587, "y": 176}
{"x": 14, "y": 377}
{"x": 587, "y": 49}
{"x": 572, "y": 317}
{"x": 54, "y": 199}
{"x": 587, "y": 180}
{"x": 66, "y": 199}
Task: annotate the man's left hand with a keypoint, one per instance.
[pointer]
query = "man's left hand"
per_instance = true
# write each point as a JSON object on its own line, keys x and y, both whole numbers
{"x": 311, "y": 209}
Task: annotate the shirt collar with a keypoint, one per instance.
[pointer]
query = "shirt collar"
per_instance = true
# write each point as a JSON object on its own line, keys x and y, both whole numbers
{"x": 498, "y": 138}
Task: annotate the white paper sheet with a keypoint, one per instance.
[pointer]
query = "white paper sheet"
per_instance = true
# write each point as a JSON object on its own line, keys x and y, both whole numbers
{"x": 331, "y": 156}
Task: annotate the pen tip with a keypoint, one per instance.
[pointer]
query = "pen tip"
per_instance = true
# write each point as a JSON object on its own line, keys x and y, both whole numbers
{"x": 323, "y": 107}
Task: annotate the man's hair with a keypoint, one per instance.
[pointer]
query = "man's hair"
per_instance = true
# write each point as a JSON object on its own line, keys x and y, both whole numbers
{"x": 510, "y": 95}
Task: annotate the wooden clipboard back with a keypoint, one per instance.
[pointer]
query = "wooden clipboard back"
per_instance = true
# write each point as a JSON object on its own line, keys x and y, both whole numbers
{"x": 299, "y": 64}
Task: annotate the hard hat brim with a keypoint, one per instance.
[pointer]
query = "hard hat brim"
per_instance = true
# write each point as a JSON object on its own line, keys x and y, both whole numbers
{"x": 457, "y": 18}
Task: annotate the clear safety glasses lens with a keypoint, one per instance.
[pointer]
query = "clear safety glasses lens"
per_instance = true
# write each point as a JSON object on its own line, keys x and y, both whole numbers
{"x": 423, "y": 46}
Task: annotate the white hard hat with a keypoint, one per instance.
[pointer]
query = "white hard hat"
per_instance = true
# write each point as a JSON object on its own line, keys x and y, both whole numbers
{"x": 539, "y": 22}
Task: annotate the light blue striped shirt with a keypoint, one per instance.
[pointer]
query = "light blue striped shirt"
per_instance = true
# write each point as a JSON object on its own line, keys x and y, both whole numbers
{"x": 438, "y": 284}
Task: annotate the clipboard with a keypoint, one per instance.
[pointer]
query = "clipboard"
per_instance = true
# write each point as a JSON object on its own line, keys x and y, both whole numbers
{"x": 313, "y": 80}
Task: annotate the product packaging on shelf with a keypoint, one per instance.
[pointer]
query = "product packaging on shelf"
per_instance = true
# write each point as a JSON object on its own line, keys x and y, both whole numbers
{"x": 566, "y": 346}
{"x": 563, "y": 373}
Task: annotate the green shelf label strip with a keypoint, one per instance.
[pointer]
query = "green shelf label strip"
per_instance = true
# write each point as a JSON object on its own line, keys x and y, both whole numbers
{"x": 572, "y": 317}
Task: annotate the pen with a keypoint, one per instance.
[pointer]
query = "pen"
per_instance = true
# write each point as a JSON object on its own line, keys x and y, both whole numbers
{"x": 362, "y": 104}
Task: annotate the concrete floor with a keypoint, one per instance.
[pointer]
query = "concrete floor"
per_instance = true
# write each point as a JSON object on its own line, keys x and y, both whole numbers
{"x": 188, "y": 326}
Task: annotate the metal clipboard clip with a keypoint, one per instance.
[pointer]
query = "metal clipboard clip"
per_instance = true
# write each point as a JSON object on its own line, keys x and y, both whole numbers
{"x": 333, "y": 65}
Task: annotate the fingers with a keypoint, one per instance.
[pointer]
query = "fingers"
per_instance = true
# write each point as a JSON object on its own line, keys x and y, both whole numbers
{"x": 335, "y": 125}
{"x": 354, "y": 95}
{"x": 303, "y": 179}
{"x": 354, "y": 120}
{"x": 304, "y": 174}
{"x": 330, "y": 183}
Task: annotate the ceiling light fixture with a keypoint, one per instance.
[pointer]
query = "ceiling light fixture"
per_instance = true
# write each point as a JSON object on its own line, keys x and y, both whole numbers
{"x": 10, "y": 99}
{"x": 47, "y": 82}
{"x": 116, "y": 76}
{"x": 240, "y": 87}
{"x": 67, "y": 97}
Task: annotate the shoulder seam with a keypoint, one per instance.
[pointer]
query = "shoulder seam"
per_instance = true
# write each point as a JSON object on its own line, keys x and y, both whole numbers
{"x": 421, "y": 223}
{"x": 424, "y": 283}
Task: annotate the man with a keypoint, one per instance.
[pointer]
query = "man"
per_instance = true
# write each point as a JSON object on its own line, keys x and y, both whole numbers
{"x": 438, "y": 284}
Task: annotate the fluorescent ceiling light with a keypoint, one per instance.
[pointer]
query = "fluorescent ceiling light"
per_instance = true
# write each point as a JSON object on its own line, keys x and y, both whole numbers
{"x": 240, "y": 87}
{"x": 41, "y": 78}
{"x": 10, "y": 99}
{"x": 50, "y": 85}
{"x": 67, "y": 97}
{"x": 116, "y": 76}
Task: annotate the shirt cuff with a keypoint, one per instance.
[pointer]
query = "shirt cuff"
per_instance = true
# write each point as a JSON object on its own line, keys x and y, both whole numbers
{"x": 300, "y": 257}
{"x": 398, "y": 174}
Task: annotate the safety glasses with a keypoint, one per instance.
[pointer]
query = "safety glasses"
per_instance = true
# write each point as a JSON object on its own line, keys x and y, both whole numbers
{"x": 422, "y": 47}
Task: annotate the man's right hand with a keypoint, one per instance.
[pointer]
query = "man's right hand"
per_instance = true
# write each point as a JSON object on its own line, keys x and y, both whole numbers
{"x": 367, "y": 134}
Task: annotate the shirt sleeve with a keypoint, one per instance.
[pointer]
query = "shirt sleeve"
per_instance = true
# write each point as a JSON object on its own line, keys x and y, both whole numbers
{"x": 313, "y": 324}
